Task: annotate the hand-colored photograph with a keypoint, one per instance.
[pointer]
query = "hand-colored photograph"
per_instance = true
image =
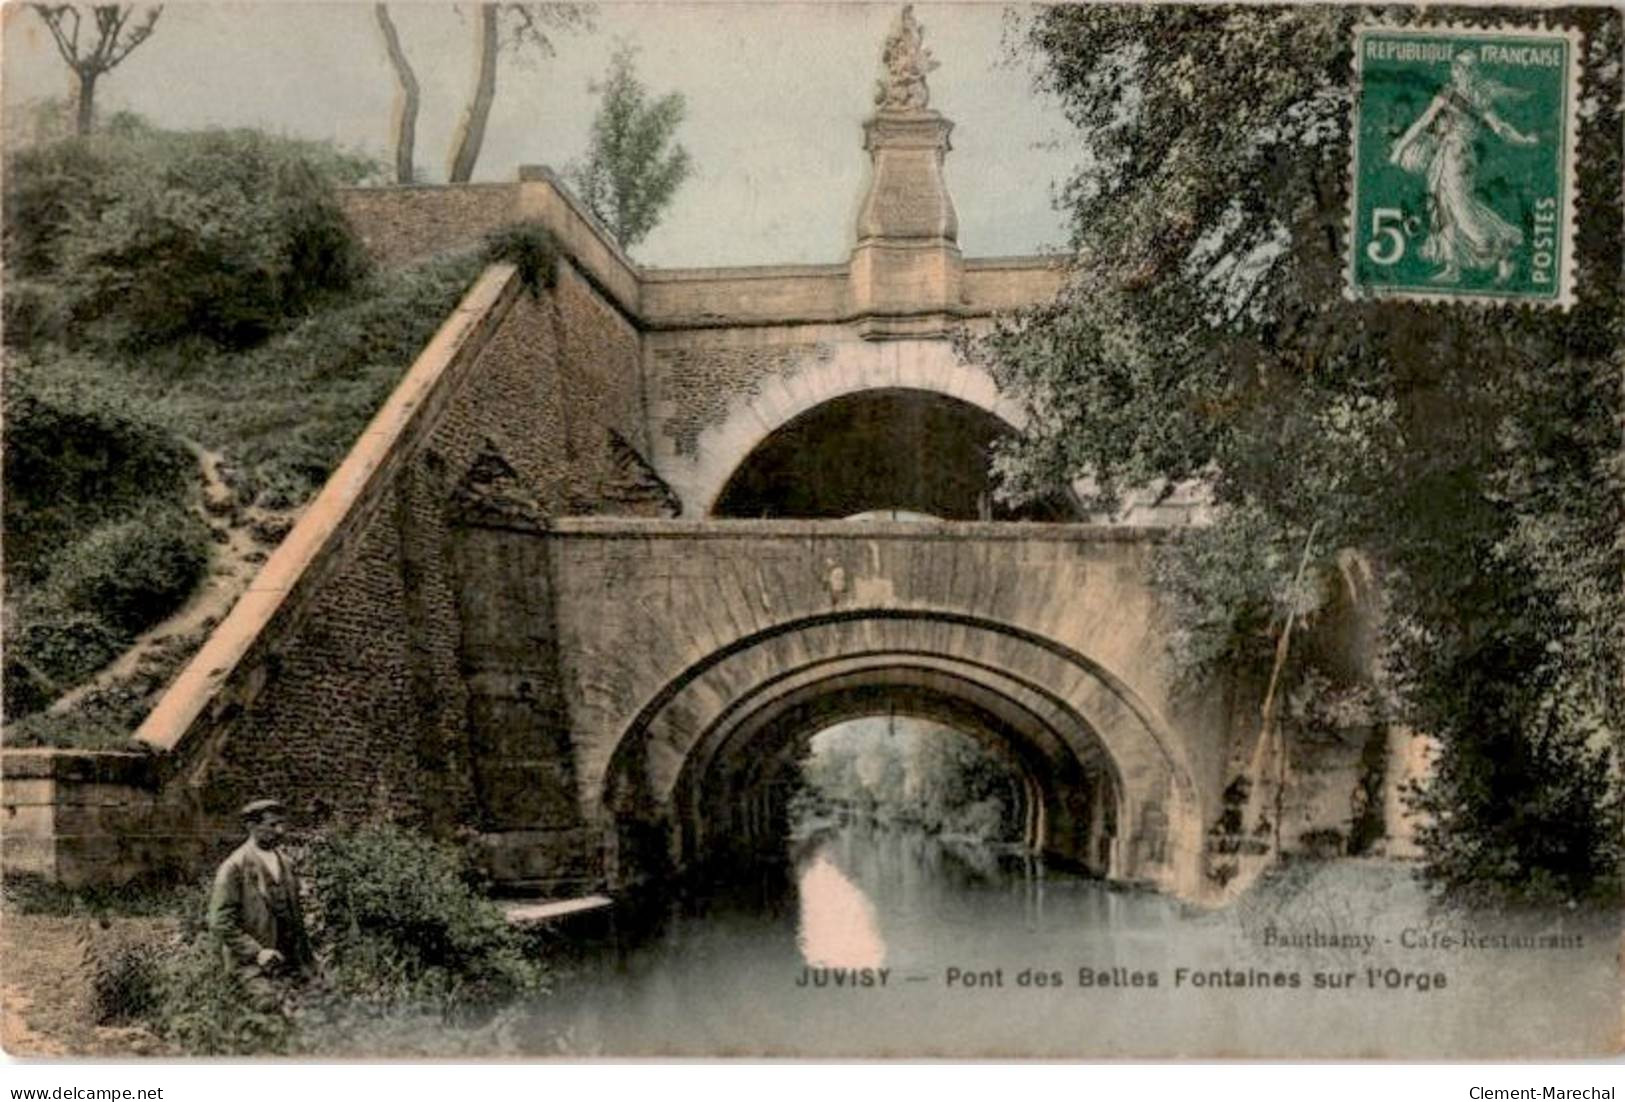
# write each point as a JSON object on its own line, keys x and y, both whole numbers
{"x": 572, "y": 531}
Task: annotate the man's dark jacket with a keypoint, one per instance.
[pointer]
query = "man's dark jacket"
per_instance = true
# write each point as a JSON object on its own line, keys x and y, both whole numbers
{"x": 249, "y": 911}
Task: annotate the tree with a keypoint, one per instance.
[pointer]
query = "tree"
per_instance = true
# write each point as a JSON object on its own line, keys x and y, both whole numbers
{"x": 520, "y": 29}
{"x": 406, "y": 115}
{"x": 631, "y": 171}
{"x": 115, "y": 39}
{"x": 1472, "y": 453}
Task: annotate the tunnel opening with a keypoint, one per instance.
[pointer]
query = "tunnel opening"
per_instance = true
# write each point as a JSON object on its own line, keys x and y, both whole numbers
{"x": 947, "y": 758}
{"x": 879, "y": 452}
{"x": 908, "y": 774}
{"x": 692, "y": 776}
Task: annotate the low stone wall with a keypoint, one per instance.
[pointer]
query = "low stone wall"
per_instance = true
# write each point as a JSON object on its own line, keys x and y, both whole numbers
{"x": 401, "y": 224}
{"x": 81, "y": 818}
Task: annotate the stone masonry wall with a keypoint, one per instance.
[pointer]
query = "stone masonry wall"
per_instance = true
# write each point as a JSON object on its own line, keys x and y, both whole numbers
{"x": 364, "y": 712}
{"x": 401, "y": 224}
{"x": 94, "y": 817}
{"x": 696, "y": 383}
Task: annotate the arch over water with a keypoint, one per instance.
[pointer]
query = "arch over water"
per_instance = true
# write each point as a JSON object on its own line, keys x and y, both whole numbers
{"x": 1107, "y": 784}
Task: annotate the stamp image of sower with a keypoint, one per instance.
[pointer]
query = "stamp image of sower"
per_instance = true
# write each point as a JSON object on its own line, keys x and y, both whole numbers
{"x": 1463, "y": 173}
{"x": 254, "y": 910}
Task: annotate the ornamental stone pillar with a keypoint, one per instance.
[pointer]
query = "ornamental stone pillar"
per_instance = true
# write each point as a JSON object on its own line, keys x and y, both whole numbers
{"x": 906, "y": 271}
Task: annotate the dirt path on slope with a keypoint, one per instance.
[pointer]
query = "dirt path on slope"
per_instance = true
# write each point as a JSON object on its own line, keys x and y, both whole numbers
{"x": 242, "y": 539}
{"x": 45, "y": 996}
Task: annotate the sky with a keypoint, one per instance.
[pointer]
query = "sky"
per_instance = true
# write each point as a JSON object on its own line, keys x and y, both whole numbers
{"x": 776, "y": 96}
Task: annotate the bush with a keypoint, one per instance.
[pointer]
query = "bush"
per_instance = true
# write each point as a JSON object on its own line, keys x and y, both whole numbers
{"x": 406, "y": 945}
{"x": 1227, "y": 588}
{"x": 94, "y": 442}
{"x": 201, "y": 1008}
{"x": 405, "y": 924}
{"x": 75, "y": 458}
{"x": 1523, "y": 817}
{"x": 98, "y": 542}
{"x": 33, "y": 314}
{"x": 154, "y": 235}
{"x": 154, "y": 896}
{"x": 47, "y": 188}
{"x": 49, "y": 651}
{"x": 133, "y": 573}
{"x": 124, "y": 980}
{"x": 297, "y": 403}
{"x": 530, "y": 247}
{"x": 70, "y": 729}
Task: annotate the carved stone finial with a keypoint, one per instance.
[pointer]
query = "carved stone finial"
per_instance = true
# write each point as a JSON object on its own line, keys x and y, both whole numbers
{"x": 904, "y": 62}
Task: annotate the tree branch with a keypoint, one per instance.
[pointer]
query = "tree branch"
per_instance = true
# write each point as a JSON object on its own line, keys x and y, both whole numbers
{"x": 140, "y": 34}
{"x": 53, "y": 21}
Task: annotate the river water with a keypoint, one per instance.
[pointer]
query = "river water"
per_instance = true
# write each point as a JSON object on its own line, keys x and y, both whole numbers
{"x": 872, "y": 941}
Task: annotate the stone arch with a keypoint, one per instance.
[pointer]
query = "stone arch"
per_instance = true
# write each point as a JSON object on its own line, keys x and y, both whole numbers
{"x": 1062, "y": 792}
{"x": 1064, "y": 714}
{"x": 925, "y": 365}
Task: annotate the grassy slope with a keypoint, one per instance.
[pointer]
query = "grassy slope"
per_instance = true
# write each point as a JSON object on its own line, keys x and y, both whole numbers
{"x": 280, "y": 416}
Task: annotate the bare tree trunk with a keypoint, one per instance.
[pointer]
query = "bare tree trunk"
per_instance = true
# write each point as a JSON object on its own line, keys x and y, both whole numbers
{"x": 1269, "y": 733}
{"x": 86, "y": 116}
{"x": 406, "y": 119}
{"x": 471, "y": 135}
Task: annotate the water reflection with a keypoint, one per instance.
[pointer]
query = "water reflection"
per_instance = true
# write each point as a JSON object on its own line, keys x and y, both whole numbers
{"x": 1046, "y": 963}
{"x": 838, "y": 927}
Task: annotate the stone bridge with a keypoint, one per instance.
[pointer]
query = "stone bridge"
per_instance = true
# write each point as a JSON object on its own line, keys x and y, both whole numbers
{"x": 696, "y": 658}
{"x": 587, "y": 581}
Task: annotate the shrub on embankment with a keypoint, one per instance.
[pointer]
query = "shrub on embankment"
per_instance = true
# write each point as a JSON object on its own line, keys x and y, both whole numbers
{"x": 169, "y": 293}
{"x": 409, "y": 949}
{"x": 98, "y": 540}
{"x": 136, "y": 237}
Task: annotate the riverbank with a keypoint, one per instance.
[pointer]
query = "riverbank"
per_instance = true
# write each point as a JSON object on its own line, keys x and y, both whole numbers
{"x": 1321, "y": 958}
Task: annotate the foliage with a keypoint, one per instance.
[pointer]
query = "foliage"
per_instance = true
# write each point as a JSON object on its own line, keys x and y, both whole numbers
{"x": 404, "y": 924}
{"x": 406, "y": 946}
{"x": 530, "y": 247}
{"x": 1472, "y": 453}
{"x": 97, "y": 477}
{"x": 98, "y": 545}
{"x": 147, "y": 236}
{"x": 76, "y": 458}
{"x": 288, "y": 411}
{"x": 155, "y": 896}
{"x": 632, "y": 170}
{"x": 1226, "y": 587}
{"x": 134, "y": 572}
{"x": 910, "y": 772}
{"x": 101, "y": 718}
{"x": 48, "y": 650}
{"x": 124, "y": 980}
{"x": 103, "y": 422}
{"x": 202, "y": 1009}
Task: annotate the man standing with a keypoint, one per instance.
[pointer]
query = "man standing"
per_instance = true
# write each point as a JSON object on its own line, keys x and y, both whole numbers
{"x": 254, "y": 909}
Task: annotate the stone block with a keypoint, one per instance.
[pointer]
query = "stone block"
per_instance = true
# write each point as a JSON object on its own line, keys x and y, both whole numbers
{"x": 28, "y": 854}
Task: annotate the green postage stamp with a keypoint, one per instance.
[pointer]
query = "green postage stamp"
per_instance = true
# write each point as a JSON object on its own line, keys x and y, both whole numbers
{"x": 1463, "y": 174}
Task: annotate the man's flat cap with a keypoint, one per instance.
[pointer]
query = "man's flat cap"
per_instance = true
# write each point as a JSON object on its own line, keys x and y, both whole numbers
{"x": 253, "y": 809}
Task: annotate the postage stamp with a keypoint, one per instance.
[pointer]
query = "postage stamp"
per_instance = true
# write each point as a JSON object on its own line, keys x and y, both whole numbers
{"x": 1463, "y": 164}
